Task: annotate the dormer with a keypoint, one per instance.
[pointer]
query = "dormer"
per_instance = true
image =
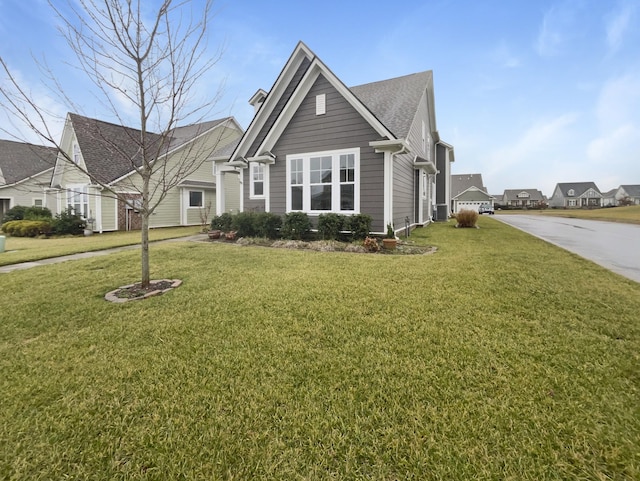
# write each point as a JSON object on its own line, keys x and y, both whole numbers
{"x": 258, "y": 99}
{"x": 571, "y": 193}
{"x": 523, "y": 195}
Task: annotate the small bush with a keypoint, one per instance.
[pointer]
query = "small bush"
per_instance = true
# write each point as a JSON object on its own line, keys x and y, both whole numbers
{"x": 244, "y": 224}
{"x": 37, "y": 213}
{"x": 68, "y": 223}
{"x": 27, "y": 228}
{"x": 296, "y": 226}
{"x": 330, "y": 225}
{"x": 467, "y": 218}
{"x": 15, "y": 213}
{"x": 370, "y": 244}
{"x": 359, "y": 225}
{"x": 222, "y": 222}
{"x": 267, "y": 224}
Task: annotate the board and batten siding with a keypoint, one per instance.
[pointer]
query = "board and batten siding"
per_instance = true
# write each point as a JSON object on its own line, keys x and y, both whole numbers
{"x": 341, "y": 127}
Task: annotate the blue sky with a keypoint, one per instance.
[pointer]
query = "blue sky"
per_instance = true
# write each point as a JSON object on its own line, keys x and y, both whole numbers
{"x": 529, "y": 93}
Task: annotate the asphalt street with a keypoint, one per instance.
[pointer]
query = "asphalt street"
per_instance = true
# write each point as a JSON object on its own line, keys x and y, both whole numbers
{"x": 612, "y": 245}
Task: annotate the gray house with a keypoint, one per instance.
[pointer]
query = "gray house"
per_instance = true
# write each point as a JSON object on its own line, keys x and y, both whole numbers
{"x": 468, "y": 192}
{"x": 25, "y": 173}
{"x": 523, "y": 198}
{"x": 573, "y": 195}
{"x": 317, "y": 146}
{"x": 629, "y": 192}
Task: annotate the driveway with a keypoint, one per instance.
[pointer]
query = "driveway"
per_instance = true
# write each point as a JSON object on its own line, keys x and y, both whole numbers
{"x": 612, "y": 245}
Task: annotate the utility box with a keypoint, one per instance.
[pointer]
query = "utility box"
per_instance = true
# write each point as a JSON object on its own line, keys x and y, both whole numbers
{"x": 442, "y": 213}
{"x": 2, "y": 238}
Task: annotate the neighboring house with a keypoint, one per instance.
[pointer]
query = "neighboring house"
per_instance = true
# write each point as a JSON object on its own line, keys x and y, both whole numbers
{"x": 631, "y": 192}
{"x": 468, "y": 192}
{"x": 25, "y": 173}
{"x": 317, "y": 146}
{"x": 609, "y": 198}
{"x": 523, "y": 198}
{"x": 102, "y": 155}
{"x": 576, "y": 194}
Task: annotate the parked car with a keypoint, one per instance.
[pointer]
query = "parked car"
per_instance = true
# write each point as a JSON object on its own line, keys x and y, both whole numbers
{"x": 486, "y": 209}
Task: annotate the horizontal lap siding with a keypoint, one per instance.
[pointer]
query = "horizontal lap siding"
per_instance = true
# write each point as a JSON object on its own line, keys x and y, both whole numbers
{"x": 403, "y": 190}
{"x": 341, "y": 127}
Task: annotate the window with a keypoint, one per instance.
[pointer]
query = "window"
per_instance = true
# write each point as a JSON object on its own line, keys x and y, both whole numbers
{"x": 196, "y": 198}
{"x": 78, "y": 200}
{"x": 571, "y": 192}
{"x": 76, "y": 154}
{"x": 37, "y": 203}
{"x": 572, "y": 202}
{"x": 424, "y": 185}
{"x": 257, "y": 180}
{"x": 323, "y": 182}
{"x": 523, "y": 195}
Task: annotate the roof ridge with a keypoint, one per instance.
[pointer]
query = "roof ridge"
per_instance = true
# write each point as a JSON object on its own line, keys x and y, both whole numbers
{"x": 392, "y": 78}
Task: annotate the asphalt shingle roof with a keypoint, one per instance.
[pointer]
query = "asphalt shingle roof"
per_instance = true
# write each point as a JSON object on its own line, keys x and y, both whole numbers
{"x": 110, "y": 151}
{"x": 462, "y": 182}
{"x": 632, "y": 190}
{"x": 19, "y": 161}
{"x": 579, "y": 188}
{"x": 512, "y": 194}
{"x": 395, "y": 101}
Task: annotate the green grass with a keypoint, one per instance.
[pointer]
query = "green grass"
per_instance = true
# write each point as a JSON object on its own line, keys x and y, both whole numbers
{"x": 25, "y": 249}
{"x": 629, "y": 214}
{"x": 498, "y": 357}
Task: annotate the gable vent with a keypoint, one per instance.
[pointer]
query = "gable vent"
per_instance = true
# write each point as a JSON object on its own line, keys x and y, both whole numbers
{"x": 321, "y": 104}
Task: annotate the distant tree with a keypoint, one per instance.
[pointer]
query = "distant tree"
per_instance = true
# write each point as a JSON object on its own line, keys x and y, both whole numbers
{"x": 626, "y": 200}
{"x": 149, "y": 54}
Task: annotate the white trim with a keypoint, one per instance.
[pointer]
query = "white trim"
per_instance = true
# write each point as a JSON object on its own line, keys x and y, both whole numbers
{"x": 321, "y": 104}
{"x": 335, "y": 180}
{"x": 252, "y": 181}
{"x": 313, "y": 72}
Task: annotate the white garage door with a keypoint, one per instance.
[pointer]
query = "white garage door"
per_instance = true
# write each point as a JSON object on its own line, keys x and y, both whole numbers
{"x": 469, "y": 205}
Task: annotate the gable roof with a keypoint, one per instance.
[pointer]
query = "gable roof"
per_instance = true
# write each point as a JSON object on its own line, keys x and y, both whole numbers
{"x": 579, "y": 188}
{"x": 110, "y": 150}
{"x": 462, "y": 182}
{"x": 473, "y": 193}
{"x": 631, "y": 190}
{"x": 512, "y": 194}
{"x": 389, "y": 106}
{"x": 20, "y": 161}
{"x": 395, "y": 101}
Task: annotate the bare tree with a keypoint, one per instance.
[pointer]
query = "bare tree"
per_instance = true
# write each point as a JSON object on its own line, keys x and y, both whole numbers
{"x": 141, "y": 61}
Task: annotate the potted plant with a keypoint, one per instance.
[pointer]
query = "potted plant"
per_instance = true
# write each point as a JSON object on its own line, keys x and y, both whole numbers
{"x": 390, "y": 242}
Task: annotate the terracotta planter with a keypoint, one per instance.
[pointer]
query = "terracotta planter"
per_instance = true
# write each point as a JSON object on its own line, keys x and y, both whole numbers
{"x": 389, "y": 244}
{"x": 214, "y": 234}
{"x": 230, "y": 236}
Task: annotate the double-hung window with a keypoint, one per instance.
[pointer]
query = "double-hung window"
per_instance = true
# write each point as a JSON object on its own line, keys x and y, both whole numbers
{"x": 257, "y": 173}
{"x": 320, "y": 182}
{"x": 78, "y": 200}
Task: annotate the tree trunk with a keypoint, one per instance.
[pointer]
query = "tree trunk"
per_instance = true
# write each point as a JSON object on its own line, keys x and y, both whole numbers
{"x": 144, "y": 244}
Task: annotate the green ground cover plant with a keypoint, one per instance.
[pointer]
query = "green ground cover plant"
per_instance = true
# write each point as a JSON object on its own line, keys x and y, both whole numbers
{"x": 498, "y": 357}
{"x": 21, "y": 249}
{"x": 628, "y": 214}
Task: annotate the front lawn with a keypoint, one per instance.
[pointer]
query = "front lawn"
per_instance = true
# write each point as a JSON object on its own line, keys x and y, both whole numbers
{"x": 26, "y": 249}
{"x": 628, "y": 215}
{"x": 497, "y": 357}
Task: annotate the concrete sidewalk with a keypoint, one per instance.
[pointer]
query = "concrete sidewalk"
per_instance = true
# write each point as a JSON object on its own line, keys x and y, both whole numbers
{"x": 87, "y": 255}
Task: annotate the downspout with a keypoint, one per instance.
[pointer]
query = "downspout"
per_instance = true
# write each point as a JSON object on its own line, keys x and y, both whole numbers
{"x": 388, "y": 217}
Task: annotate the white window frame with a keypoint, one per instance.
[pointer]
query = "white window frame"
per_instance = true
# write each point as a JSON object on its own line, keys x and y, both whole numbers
{"x": 253, "y": 166}
{"x": 189, "y": 206}
{"x": 35, "y": 200}
{"x": 78, "y": 190}
{"x": 335, "y": 181}
{"x": 571, "y": 193}
{"x": 425, "y": 184}
{"x": 321, "y": 104}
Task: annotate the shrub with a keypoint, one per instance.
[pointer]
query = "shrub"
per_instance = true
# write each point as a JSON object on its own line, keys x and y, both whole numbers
{"x": 359, "y": 225}
{"x": 37, "y": 213}
{"x": 370, "y": 244}
{"x": 467, "y": 218}
{"x": 267, "y": 225}
{"x": 244, "y": 224}
{"x": 330, "y": 225}
{"x": 68, "y": 223}
{"x": 27, "y": 228}
{"x": 15, "y": 213}
{"x": 222, "y": 222}
{"x": 296, "y": 225}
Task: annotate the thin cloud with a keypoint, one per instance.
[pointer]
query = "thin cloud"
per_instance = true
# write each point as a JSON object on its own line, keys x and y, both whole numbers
{"x": 557, "y": 29}
{"x": 618, "y": 25}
